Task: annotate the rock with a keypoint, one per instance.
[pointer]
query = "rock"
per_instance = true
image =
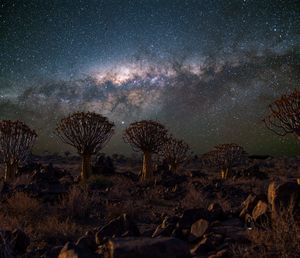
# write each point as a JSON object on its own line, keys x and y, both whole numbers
{"x": 208, "y": 243}
{"x": 199, "y": 228}
{"x": 190, "y": 216}
{"x": 164, "y": 247}
{"x": 119, "y": 227}
{"x": 248, "y": 205}
{"x": 283, "y": 196}
{"x": 260, "y": 212}
{"x": 71, "y": 250}
{"x": 216, "y": 211}
{"x": 166, "y": 227}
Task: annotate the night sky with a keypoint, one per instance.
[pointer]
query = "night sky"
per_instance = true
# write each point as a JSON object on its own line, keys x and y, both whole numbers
{"x": 205, "y": 69}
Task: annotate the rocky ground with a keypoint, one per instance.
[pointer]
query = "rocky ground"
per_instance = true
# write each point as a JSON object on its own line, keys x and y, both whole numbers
{"x": 46, "y": 212}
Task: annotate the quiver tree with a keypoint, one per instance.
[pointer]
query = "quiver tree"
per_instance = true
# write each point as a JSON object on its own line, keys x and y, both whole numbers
{"x": 16, "y": 141}
{"x": 147, "y": 136}
{"x": 88, "y": 133}
{"x": 224, "y": 157}
{"x": 284, "y": 115}
{"x": 175, "y": 152}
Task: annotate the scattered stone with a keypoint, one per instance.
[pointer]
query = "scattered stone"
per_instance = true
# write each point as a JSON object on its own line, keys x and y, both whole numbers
{"x": 199, "y": 228}
{"x": 190, "y": 216}
{"x": 209, "y": 243}
{"x": 71, "y": 250}
{"x": 260, "y": 212}
{"x": 248, "y": 205}
{"x": 166, "y": 228}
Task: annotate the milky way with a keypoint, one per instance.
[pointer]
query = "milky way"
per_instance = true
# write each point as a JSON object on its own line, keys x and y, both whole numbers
{"x": 206, "y": 70}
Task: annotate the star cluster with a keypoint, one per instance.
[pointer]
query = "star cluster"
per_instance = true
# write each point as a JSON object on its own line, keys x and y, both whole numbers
{"x": 206, "y": 69}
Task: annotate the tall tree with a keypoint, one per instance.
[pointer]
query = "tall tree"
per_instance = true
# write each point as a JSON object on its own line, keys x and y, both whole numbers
{"x": 147, "y": 136}
{"x": 88, "y": 133}
{"x": 16, "y": 141}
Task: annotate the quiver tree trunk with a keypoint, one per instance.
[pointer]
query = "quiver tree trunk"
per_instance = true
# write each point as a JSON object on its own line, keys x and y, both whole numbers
{"x": 224, "y": 173}
{"x": 147, "y": 171}
{"x": 10, "y": 171}
{"x": 85, "y": 167}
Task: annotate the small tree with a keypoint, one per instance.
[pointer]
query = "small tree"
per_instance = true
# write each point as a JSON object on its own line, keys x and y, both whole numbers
{"x": 88, "y": 133}
{"x": 225, "y": 156}
{"x": 284, "y": 115}
{"x": 16, "y": 141}
{"x": 147, "y": 136}
{"x": 175, "y": 152}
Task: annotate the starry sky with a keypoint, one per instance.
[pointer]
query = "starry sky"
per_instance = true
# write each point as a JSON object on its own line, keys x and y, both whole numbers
{"x": 205, "y": 69}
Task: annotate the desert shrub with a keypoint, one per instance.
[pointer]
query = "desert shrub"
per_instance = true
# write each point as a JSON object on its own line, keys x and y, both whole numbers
{"x": 7, "y": 222}
{"x": 114, "y": 210}
{"x": 282, "y": 240}
{"x": 98, "y": 182}
{"x": 194, "y": 198}
{"x": 24, "y": 208}
{"x": 76, "y": 204}
{"x": 57, "y": 231}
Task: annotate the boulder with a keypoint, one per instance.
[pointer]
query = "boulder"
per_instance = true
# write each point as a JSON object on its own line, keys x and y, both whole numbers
{"x": 248, "y": 205}
{"x": 164, "y": 247}
{"x": 166, "y": 227}
{"x": 119, "y": 227}
{"x": 71, "y": 250}
{"x": 190, "y": 216}
{"x": 260, "y": 212}
{"x": 199, "y": 228}
{"x": 283, "y": 196}
{"x": 209, "y": 243}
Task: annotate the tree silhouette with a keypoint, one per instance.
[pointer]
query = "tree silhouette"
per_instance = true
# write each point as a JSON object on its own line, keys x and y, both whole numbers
{"x": 224, "y": 156}
{"x": 175, "y": 152}
{"x": 147, "y": 136}
{"x": 16, "y": 141}
{"x": 284, "y": 115}
{"x": 88, "y": 133}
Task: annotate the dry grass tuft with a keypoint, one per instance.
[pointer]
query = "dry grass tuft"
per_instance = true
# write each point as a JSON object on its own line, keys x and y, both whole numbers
{"x": 53, "y": 229}
{"x": 23, "y": 208}
{"x": 76, "y": 204}
{"x": 282, "y": 240}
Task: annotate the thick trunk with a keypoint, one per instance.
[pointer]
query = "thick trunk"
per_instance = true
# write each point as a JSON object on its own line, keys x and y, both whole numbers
{"x": 224, "y": 173}
{"x": 147, "y": 171}
{"x": 10, "y": 171}
{"x": 85, "y": 167}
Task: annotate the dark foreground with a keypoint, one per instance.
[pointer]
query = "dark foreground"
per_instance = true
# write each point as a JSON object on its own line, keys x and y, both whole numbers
{"x": 255, "y": 213}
